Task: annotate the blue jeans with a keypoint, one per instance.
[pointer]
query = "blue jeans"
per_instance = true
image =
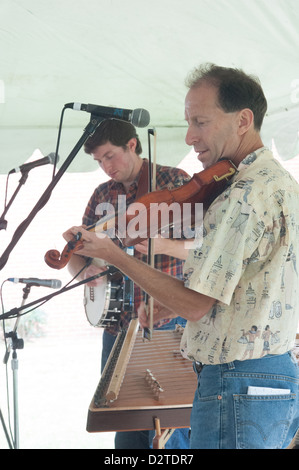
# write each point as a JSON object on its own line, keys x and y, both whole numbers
{"x": 224, "y": 416}
{"x": 143, "y": 439}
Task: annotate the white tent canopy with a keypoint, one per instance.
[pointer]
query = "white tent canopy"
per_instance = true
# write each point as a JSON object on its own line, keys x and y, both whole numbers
{"x": 136, "y": 54}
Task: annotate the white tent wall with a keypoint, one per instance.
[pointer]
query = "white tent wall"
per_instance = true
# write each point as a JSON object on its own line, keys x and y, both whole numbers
{"x": 136, "y": 54}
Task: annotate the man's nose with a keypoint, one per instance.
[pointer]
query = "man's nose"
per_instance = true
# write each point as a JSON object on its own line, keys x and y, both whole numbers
{"x": 106, "y": 166}
{"x": 191, "y": 137}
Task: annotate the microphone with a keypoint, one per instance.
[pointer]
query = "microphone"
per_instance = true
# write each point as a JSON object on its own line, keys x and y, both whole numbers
{"x": 42, "y": 161}
{"x": 33, "y": 281}
{"x": 138, "y": 117}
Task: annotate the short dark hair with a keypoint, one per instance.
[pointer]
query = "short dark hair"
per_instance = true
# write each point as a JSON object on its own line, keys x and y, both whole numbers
{"x": 116, "y": 132}
{"x": 236, "y": 89}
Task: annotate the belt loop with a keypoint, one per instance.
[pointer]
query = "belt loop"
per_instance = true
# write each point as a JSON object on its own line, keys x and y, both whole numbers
{"x": 231, "y": 365}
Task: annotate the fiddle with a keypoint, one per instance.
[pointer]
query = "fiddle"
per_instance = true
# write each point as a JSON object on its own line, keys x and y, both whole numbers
{"x": 203, "y": 188}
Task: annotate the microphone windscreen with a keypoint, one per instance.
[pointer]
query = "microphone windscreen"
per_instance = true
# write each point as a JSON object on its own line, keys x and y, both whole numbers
{"x": 140, "y": 117}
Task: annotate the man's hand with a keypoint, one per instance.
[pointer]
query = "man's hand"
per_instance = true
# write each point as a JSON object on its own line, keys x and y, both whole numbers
{"x": 91, "y": 271}
{"x": 159, "y": 313}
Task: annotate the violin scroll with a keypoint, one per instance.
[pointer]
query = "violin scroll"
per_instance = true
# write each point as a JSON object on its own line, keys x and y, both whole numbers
{"x": 58, "y": 261}
{"x": 53, "y": 259}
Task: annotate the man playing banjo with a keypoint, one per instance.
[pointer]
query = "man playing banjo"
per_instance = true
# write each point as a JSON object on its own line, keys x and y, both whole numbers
{"x": 116, "y": 147}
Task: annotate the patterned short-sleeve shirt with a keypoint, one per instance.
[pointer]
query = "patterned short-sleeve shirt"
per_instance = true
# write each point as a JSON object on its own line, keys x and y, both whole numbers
{"x": 247, "y": 262}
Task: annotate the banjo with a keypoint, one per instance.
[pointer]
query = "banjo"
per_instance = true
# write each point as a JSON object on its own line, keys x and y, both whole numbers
{"x": 105, "y": 302}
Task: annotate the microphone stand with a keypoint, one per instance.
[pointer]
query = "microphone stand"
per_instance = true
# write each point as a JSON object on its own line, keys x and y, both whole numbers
{"x": 16, "y": 343}
{"x": 22, "y": 181}
{"x": 88, "y": 131}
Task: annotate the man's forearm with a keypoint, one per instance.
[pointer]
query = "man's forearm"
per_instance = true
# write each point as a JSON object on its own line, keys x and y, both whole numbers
{"x": 75, "y": 264}
{"x": 166, "y": 289}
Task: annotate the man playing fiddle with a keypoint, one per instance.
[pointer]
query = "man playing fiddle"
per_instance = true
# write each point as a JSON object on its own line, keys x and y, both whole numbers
{"x": 244, "y": 273}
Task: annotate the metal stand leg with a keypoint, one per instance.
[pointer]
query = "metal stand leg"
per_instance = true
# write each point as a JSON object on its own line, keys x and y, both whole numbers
{"x": 15, "y": 366}
{"x": 5, "y": 431}
{"x": 16, "y": 343}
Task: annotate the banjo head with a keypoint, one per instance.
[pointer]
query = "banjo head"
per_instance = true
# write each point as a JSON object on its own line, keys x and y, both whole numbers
{"x": 103, "y": 303}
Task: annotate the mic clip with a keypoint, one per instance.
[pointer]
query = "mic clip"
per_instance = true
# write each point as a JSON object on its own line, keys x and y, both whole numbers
{"x": 22, "y": 181}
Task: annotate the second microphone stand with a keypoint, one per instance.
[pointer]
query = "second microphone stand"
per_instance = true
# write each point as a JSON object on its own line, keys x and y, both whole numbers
{"x": 15, "y": 344}
{"x": 88, "y": 131}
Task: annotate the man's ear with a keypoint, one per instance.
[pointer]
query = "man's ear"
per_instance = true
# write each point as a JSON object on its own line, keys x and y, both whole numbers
{"x": 246, "y": 120}
{"x": 132, "y": 144}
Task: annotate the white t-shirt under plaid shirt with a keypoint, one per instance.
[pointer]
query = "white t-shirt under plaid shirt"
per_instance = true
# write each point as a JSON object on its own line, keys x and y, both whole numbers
{"x": 248, "y": 262}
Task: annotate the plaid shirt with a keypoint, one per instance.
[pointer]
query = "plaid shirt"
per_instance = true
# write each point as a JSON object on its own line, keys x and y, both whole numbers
{"x": 108, "y": 192}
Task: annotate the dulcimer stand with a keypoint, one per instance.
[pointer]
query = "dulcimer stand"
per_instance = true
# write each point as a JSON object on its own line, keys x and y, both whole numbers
{"x": 161, "y": 435}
